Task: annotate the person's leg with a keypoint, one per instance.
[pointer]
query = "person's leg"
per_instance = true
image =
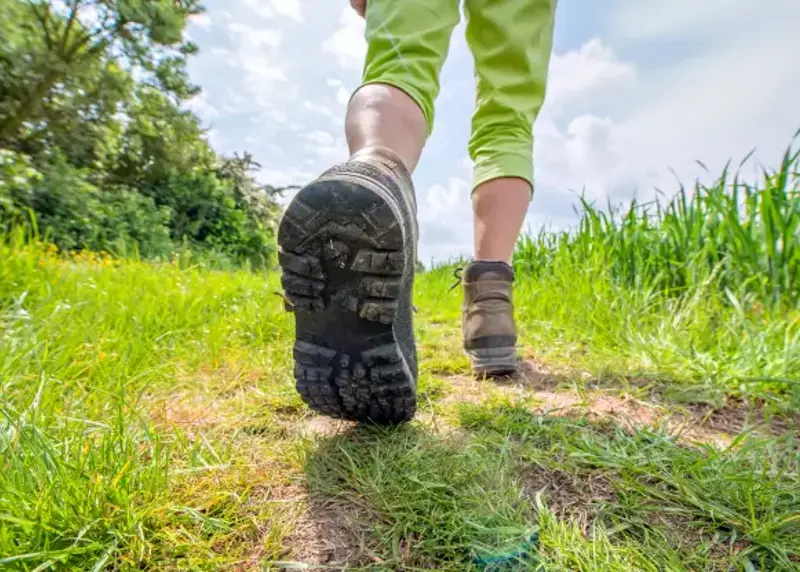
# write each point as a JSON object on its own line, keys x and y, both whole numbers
{"x": 407, "y": 44}
{"x": 348, "y": 240}
{"x": 382, "y": 116}
{"x": 511, "y": 42}
{"x": 499, "y": 208}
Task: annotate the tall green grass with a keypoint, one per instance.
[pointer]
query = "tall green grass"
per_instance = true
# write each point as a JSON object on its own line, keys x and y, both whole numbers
{"x": 734, "y": 236}
{"x": 84, "y": 474}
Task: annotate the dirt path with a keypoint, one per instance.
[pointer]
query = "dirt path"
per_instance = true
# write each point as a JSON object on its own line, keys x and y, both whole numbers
{"x": 551, "y": 394}
{"x": 334, "y": 533}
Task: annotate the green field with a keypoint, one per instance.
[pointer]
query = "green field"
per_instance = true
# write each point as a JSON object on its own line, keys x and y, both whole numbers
{"x": 148, "y": 418}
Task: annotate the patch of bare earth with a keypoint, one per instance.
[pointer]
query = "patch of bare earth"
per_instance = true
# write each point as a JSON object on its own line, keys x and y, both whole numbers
{"x": 187, "y": 410}
{"x": 551, "y": 394}
{"x": 280, "y": 520}
{"x": 203, "y": 400}
{"x": 569, "y": 496}
{"x": 213, "y": 401}
{"x": 314, "y": 533}
{"x": 315, "y": 426}
{"x": 276, "y": 509}
{"x": 269, "y": 510}
{"x": 328, "y": 534}
{"x": 737, "y": 416}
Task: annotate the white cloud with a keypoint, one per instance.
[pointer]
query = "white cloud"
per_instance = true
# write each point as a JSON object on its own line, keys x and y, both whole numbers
{"x": 259, "y": 7}
{"x": 714, "y": 105}
{"x": 285, "y": 177}
{"x": 722, "y": 104}
{"x": 257, "y": 55}
{"x": 445, "y": 219}
{"x": 342, "y": 96}
{"x": 320, "y": 138}
{"x": 251, "y": 37}
{"x": 218, "y": 140}
{"x": 288, "y": 8}
{"x": 575, "y": 149}
{"x": 348, "y": 43}
{"x": 651, "y": 19}
{"x": 201, "y": 21}
{"x": 318, "y": 108}
{"x": 204, "y": 110}
{"x": 592, "y": 67}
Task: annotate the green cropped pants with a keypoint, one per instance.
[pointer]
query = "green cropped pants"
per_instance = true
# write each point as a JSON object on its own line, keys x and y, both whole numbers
{"x": 510, "y": 41}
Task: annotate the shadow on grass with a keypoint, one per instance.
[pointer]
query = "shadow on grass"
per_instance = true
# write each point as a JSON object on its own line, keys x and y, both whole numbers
{"x": 600, "y": 498}
{"x": 417, "y": 499}
{"x": 701, "y": 506}
{"x": 702, "y": 405}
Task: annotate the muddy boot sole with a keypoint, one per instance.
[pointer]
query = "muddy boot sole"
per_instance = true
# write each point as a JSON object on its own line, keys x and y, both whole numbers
{"x": 345, "y": 270}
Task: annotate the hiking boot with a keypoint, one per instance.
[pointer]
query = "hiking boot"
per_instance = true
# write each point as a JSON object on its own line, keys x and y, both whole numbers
{"x": 490, "y": 333}
{"x": 348, "y": 251}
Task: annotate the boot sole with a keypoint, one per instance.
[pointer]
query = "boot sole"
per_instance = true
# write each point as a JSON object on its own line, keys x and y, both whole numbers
{"x": 342, "y": 256}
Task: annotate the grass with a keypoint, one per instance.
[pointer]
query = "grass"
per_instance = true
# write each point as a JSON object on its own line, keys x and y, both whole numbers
{"x": 148, "y": 418}
{"x": 733, "y": 235}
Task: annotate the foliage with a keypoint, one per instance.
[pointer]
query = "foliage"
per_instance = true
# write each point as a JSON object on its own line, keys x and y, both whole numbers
{"x": 733, "y": 236}
{"x": 97, "y": 144}
{"x": 17, "y": 175}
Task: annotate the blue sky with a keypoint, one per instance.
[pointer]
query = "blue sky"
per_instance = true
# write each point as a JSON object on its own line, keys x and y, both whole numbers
{"x": 637, "y": 87}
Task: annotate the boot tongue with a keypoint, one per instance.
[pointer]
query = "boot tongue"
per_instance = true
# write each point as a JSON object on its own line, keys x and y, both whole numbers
{"x": 488, "y": 270}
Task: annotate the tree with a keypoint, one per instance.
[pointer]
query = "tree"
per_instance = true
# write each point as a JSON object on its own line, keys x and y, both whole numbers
{"x": 49, "y": 47}
{"x": 92, "y": 97}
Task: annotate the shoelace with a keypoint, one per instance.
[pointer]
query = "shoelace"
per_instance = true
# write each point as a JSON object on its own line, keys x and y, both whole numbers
{"x": 283, "y": 297}
{"x": 458, "y": 274}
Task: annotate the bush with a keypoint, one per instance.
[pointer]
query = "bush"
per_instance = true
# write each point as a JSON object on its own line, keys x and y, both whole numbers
{"x": 97, "y": 147}
{"x": 17, "y": 176}
{"x": 128, "y": 220}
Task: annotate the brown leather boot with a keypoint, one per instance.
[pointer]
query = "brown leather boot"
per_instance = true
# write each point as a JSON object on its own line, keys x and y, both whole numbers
{"x": 490, "y": 333}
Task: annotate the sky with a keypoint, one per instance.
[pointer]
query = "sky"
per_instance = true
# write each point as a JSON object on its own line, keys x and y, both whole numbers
{"x": 638, "y": 92}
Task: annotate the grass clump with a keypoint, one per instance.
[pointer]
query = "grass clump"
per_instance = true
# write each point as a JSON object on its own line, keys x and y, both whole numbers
{"x": 704, "y": 507}
{"x": 433, "y": 501}
{"x": 86, "y": 349}
{"x": 735, "y": 235}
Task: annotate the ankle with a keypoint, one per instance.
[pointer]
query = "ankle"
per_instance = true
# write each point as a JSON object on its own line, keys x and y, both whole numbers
{"x": 382, "y": 116}
{"x": 503, "y": 262}
{"x": 499, "y": 207}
